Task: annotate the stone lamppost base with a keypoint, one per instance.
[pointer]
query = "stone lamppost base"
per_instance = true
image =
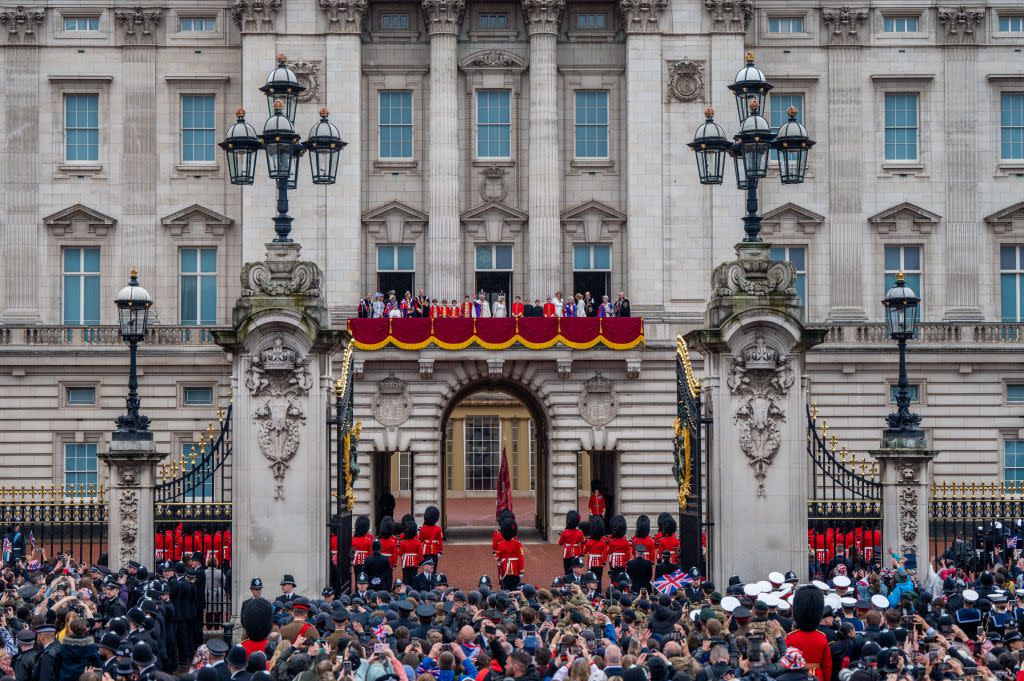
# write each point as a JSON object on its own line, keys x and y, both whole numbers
{"x": 132, "y": 474}
{"x": 906, "y": 477}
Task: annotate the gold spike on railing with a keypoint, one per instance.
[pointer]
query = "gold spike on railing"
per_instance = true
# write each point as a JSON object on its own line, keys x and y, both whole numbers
{"x": 814, "y": 412}
{"x": 192, "y": 455}
{"x": 824, "y": 428}
{"x": 100, "y": 493}
{"x": 832, "y": 441}
{"x": 220, "y": 413}
{"x": 163, "y": 473}
{"x": 209, "y": 431}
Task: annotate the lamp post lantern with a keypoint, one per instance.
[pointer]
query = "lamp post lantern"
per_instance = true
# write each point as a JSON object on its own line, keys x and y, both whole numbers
{"x": 133, "y": 303}
{"x": 901, "y": 307}
{"x": 750, "y": 147}
{"x": 282, "y": 145}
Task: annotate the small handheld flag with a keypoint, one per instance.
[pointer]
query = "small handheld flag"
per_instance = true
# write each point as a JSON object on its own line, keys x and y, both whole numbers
{"x": 669, "y": 584}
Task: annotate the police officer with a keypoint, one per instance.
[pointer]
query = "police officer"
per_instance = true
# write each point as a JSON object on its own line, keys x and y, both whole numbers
{"x": 288, "y": 594}
{"x": 576, "y": 574}
{"x": 45, "y": 668}
{"x": 427, "y": 579}
{"x": 25, "y": 660}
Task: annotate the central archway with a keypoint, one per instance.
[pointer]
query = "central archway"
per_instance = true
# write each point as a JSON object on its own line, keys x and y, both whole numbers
{"x": 480, "y": 419}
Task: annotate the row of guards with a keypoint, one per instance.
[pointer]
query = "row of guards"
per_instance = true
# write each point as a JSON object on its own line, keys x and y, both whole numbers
{"x": 174, "y": 545}
{"x": 827, "y": 543}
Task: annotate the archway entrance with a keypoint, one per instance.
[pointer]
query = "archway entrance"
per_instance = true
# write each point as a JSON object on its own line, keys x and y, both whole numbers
{"x": 479, "y": 422}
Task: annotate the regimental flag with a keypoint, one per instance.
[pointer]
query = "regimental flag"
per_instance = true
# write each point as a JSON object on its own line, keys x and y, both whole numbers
{"x": 504, "y": 499}
{"x": 669, "y": 584}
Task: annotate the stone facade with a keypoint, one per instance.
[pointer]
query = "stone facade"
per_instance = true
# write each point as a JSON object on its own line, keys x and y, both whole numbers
{"x": 661, "y": 64}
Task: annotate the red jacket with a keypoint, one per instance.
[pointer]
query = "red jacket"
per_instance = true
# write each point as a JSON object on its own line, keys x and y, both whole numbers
{"x": 389, "y": 547}
{"x": 619, "y": 552}
{"x": 549, "y": 309}
{"x": 595, "y": 552}
{"x": 361, "y": 548}
{"x": 511, "y": 559}
{"x": 410, "y": 551}
{"x": 814, "y": 646}
{"x": 669, "y": 543}
{"x": 649, "y": 544}
{"x": 496, "y": 539}
{"x": 571, "y": 542}
{"x": 596, "y": 504}
{"x": 518, "y": 309}
{"x": 433, "y": 540}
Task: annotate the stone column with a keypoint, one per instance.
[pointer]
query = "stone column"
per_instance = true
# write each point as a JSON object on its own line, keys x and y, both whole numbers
{"x": 344, "y": 75}
{"x": 544, "y": 240}
{"x": 20, "y": 171}
{"x": 644, "y": 153}
{"x": 845, "y": 89}
{"x": 280, "y": 349}
{"x": 906, "y": 477}
{"x": 131, "y": 470}
{"x": 963, "y": 228}
{"x": 443, "y": 19}
{"x": 755, "y": 346}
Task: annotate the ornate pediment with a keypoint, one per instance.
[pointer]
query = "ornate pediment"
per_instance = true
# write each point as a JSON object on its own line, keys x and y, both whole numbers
{"x": 905, "y": 217}
{"x": 395, "y": 222}
{"x": 494, "y": 221}
{"x": 595, "y": 220}
{"x": 1009, "y": 220}
{"x": 493, "y": 59}
{"x": 196, "y": 220}
{"x": 79, "y": 221}
{"x": 790, "y": 218}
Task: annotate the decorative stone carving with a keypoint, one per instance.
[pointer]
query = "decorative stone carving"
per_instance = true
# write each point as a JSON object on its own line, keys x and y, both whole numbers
{"x": 392, "y": 405}
{"x": 754, "y": 274}
{"x": 196, "y": 220}
{"x": 281, "y": 274}
{"x": 128, "y": 516}
{"x": 1009, "y": 220}
{"x": 760, "y": 377}
{"x": 426, "y": 369}
{"x": 344, "y": 16}
{"x": 494, "y": 59}
{"x": 563, "y": 367}
{"x": 255, "y": 16}
{"x": 277, "y": 375}
{"x": 908, "y": 519}
{"x": 543, "y": 16}
{"x": 598, "y": 403}
{"x": 643, "y": 16}
{"x": 907, "y": 218}
{"x": 844, "y": 24}
{"x": 22, "y": 23}
{"x": 443, "y": 16}
{"x": 960, "y": 23}
{"x": 129, "y": 476}
{"x": 730, "y": 16}
{"x": 493, "y": 187}
{"x": 139, "y": 25}
{"x": 79, "y": 220}
{"x": 791, "y": 219}
{"x": 909, "y": 474}
{"x": 633, "y": 369}
{"x": 686, "y": 80}
{"x": 308, "y": 75}
{"x": 495, "y": 368}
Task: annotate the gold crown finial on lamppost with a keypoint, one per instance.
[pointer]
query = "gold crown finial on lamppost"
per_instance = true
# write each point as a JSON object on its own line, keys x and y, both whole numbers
{"x": 133, "y": 271}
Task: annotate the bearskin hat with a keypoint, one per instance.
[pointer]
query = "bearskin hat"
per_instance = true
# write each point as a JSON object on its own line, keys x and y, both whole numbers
{"x": 595, "y": 486}
{"x": 669, "y": 527}
{"x": 411, "y": 529}
{"x": 257, "y": 619}
{"x": 643, "y": 526}
{"x": 572, "y": 520}
{"x": 596, "y": 527}
{"x": 808, "y": 606}
{"x": 387, "y": 527}
{"x": 406, "y": 519}
{"x": 508, "y": 528}
{"x": 431, "y": 515}
{"x": 505, "y": 513}
{"x": 662, "y": 517}
{"x": 585, "y": 527}
{"x": 362, "y": 526}
{"x": 618, "y": 527}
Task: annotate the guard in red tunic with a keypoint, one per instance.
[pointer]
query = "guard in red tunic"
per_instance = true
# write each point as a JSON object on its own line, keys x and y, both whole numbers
{"x": 410, "y": 552}
{"x": 467, "y": 308}
{"x": 808, "y": 607}
{"x": 496, "y": 535}
{"x": 509, "y": 552}
{"x": 668, "y": 539}
{"x": 642, "y": 537}
{"x": 362, "y": 541}
{"x": 388, "y": 543}
{"x": 518, "y": 309}
{"x": 595, "y": 549}
{"x": 619, "y": 552}
{"x": 571, "y": 540}
{"x": 596, "y": 504}
{"x": 431, "y": 536}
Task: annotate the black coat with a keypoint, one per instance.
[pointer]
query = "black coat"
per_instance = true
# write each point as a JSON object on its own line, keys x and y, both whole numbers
{"x": 640, "y": 571}
{"x": 23, "y": 664}
{"x": 378, "y": 567}
{"x": 75, "y": 655}
{"x": 47, "y": 663}
{"x": 424, "y": 582}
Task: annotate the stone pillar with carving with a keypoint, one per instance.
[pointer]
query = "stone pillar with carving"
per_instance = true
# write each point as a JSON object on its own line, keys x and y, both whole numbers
{"x": 544, "y": 244}
{"x": 280, "y": 347}
{"x": 644, "y": 153}
{"x": 131, "y": 470}
{"x": 906, "y": 477}
{"x": 444, "y": 17}
{"x": 754, "y": 347}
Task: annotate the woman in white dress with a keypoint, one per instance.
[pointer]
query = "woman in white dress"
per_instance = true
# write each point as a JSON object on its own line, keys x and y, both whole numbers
{"x": 581, "y": 306}
{"x": 499, "y": 309}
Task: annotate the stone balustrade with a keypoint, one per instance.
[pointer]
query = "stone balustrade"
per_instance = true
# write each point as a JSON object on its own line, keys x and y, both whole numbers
{"x": 89, "y": 336}
{"x": 938, "y": 333}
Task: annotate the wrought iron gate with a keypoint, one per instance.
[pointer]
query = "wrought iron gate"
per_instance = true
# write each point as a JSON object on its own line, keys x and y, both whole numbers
{"x": 46, "y": 522}
{"x": 844, "y": 510}
{"x": 342, "y": 447}
{"x": 192, "y": 513}
{"x": 692, "y": 447}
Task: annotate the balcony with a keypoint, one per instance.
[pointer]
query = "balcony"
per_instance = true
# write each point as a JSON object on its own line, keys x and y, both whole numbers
{"x": 99, "y": 336}
{"x": 928, "y": 333}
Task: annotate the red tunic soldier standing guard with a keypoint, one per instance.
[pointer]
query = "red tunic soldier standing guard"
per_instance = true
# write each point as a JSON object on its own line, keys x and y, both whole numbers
{"x": 642, "y": 537}
{"x": 410, "y": 552}
{"x": 571, "y": 540}
{"x": 619, "y": 552}
{"x": 595, "y": 549}
{"x": 509, "y": 552}
{"x": 388, "y": 543}
{"x": 431, "y": 536}
{"x": 362, "y": 541}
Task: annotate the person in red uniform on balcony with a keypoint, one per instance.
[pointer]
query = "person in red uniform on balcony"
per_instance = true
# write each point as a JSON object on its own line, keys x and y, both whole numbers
{"x": 362, "y": 541}
{"x": 618, "y": 548}
{"x": 432, "y": 536}
{"x": 808, "y": 607}
{"x": 596, "y": 504}
{"x": 571, "y": 540}
{"x": 511, "y": 559}
{"x": 388, "y": 543}
{"x": 642, "y": 537}
{"x": 410, "y": 552}
{"x": 595, "y": 549}
{"x": 549, "y": 308}
{"x": 518, "y": 309}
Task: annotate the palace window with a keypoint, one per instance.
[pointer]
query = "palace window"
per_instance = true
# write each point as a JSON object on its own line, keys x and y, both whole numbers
{"x": 493, "y": 124}
{"x": 395, "y": 123}
{"x": 913, "y": 390}
{"x": 1015, "y": 393}
{"x": 591, "y": 22}
{"x": 798, "y": 256}
{"x": 197, "y": 25}
{"x": 81, "y": 128}
{"x": 778, "y": 107}
{"x": 198, "y": 129}
{"x": 1011, "y": 24}
{"x": 81, "y": 286}
{"x": 906, "y": 259}
{"x": 1013, "y": 460}
{"x": 80, "y": 396}
{"x": 80, "y": 464}
{"x": 1011, "y": 126}
{"x": 493, "y": 21}
{"x": 198, "y": 396}
{"x": 483, "y": 452}
{"x": 901, "y": 127}
{"x": 394, "y": 22}
{"x": 900, "y": 24}
{"x": 493, "y": 267}
{"x": 1011, "y": 283}
{"x": 396, "y": 265}
{"x": 404, "y": 471}
{"x": 592, "y": 266}
{"x": 198, "y": 277}
{"x": 592, "y": 124}
{"x": 81, "y": 23}
{"x": 785, "y": 24}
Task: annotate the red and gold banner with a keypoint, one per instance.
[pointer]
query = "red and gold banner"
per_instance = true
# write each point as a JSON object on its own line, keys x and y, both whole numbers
{"x": 536, "y": 333}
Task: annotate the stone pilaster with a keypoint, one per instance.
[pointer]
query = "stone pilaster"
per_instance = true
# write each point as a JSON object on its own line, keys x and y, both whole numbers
{"x": 256, "y": 16}
{"x": 906, "y": 477}
{"x": 846, "y": 162}
{"x": 132, "y": 473}
{"x": 343, "y": 71}
{"x": 963, "y": 231}
{"x": 443, "y": 19}
{"x": 644, "y": 152}
{"x": 20, "y": 171}
{"x": 545, "y": 172}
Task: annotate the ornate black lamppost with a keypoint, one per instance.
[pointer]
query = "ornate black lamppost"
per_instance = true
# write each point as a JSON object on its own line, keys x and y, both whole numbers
{"x": 282, "y": 145}
{"x": 749, "y": 148}
{"x": 133, "y": 303}
{"x": 901, "y": 305}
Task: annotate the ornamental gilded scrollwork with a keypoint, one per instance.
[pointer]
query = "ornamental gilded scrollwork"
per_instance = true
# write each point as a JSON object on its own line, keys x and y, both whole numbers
{"x": 281, "y": 379}
{"x": 760, "y": 378}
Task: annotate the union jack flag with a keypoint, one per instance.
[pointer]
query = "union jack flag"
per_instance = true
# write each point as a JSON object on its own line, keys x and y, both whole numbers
{"x": 669, "y": 584}
{"x": 1011, "y": 542}
{"x": 380, "y": 632}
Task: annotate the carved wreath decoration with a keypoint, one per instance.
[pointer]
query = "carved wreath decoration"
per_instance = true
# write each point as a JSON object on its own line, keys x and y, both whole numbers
{"x": 908, "y": 515}
{"x": 129, "y": 521}
{"x": 686, "y": 80}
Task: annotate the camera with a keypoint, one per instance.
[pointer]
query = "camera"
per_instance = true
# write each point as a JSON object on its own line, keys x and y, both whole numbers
{"x": 346, "y": 667}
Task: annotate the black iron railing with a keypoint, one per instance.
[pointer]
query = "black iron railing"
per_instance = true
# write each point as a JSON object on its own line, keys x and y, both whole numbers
{"x": 48, "y": 522}
{"x": 976, "y": 523}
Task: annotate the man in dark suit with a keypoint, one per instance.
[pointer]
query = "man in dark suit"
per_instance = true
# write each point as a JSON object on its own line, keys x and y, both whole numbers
{"x": 640, "y": 570}
{"x": 378, "y": 569}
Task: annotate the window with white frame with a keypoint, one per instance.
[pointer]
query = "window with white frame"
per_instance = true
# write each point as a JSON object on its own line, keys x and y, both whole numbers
{"x": 81, "y": 128}
{"x": 798, "y": 256}
{"x": 80, "y": 396}
{"x": 900, "y": 24}
{"x": 492, "y": 21}
{"x": 901, "y": 126}
{"x": 404, "y": 471}
{"x": 1013, "y": 460}
{"x": 396, "y": 268}
{"x": 785, "y": 24}
{"x": 1011, "y": 126}
{"x": 80, "y": 464}
{"x": 81, "y": 23}
{"x": 592, "y": 266}
{"x": 198, "y": 281}
{"x": 913, "y": 391}
{"x": 493, "y": 123}
{"x": 493, "y": 266}
{"x": 591, "y": 124}
{"x": 395, "y": 124}
{"x": 81, "y": 284}
{"x": 198, "y": 129}
{"x": 200, "y": 484}
{"x": 1015, "y": 393}
{"x": 906, "y": 259}
{"x": 197, "y": 25}
{"x": 589, "y": 21}
{"x": 390, "y": 22}
{"x": 1011, "y": 24}
{"x": 1011, "y": 283}
{"x": 778, "y": 108}
{"x": 483, "y": 452}
{"x": 197, "y": 396}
